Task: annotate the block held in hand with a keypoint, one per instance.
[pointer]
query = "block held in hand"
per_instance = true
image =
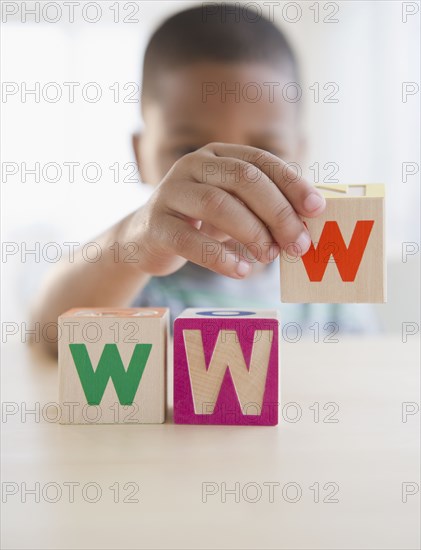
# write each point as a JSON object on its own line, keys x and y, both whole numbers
{"x": 346, "y": 259}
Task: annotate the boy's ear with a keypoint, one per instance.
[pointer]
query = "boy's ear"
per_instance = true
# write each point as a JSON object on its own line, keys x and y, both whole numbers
{"x": 136, "y": 140}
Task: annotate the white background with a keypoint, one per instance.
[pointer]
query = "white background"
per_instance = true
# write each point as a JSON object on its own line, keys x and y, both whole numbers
{"x": 369, "y": 53}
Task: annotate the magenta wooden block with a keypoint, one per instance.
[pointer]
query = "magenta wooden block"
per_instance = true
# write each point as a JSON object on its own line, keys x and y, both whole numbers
{"x": 226, "y": 365}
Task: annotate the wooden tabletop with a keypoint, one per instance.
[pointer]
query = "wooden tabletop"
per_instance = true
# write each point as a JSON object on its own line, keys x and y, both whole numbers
{"x": 340, "y": 471}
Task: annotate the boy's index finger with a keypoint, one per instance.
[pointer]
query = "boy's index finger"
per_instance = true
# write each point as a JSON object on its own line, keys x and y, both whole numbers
{"x": 304, "y": 197}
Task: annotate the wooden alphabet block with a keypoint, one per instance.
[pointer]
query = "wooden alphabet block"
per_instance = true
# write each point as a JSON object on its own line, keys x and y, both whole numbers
{"x": 346, "y": 260}
{"x": 226, "y": 367}
{"x": 112, "y": 365}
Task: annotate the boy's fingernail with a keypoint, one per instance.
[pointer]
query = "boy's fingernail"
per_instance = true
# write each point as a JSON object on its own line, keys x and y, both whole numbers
{"x": 303, "y": 243}
{"x": 242, "y": 268}
{"x": 313, "y": 202}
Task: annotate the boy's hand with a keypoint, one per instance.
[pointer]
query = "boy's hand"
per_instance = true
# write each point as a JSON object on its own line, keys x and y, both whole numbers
{"x": 221, "y": 193}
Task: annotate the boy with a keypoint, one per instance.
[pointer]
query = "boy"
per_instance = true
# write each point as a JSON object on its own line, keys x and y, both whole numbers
{"x": 225, "y": 199}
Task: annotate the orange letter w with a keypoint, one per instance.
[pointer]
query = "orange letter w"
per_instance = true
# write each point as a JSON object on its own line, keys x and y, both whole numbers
{"x": 331, "y": 243}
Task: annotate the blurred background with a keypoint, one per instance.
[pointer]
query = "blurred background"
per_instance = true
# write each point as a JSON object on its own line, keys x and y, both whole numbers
{"x": 367, "y": 53}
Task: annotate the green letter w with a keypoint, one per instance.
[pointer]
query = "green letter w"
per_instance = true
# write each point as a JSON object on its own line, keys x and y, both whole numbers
{"x": 111, "y": 366}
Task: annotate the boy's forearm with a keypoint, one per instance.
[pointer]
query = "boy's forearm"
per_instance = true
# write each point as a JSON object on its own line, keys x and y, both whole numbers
{"x": 113, "y": 280}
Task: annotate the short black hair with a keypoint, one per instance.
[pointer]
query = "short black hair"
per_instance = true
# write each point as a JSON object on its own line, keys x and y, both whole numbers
{"x": 215, "y": 32}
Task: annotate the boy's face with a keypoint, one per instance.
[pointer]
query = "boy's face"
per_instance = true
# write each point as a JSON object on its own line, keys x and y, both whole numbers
{"x": 208, "y": 102}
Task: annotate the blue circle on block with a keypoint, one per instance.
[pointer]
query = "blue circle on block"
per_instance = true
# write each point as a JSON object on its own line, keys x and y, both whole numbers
{"x": 226, "y": 313}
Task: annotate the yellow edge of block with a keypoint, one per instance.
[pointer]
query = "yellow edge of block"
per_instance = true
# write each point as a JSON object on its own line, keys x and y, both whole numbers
{"x": 342, "y": 191}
